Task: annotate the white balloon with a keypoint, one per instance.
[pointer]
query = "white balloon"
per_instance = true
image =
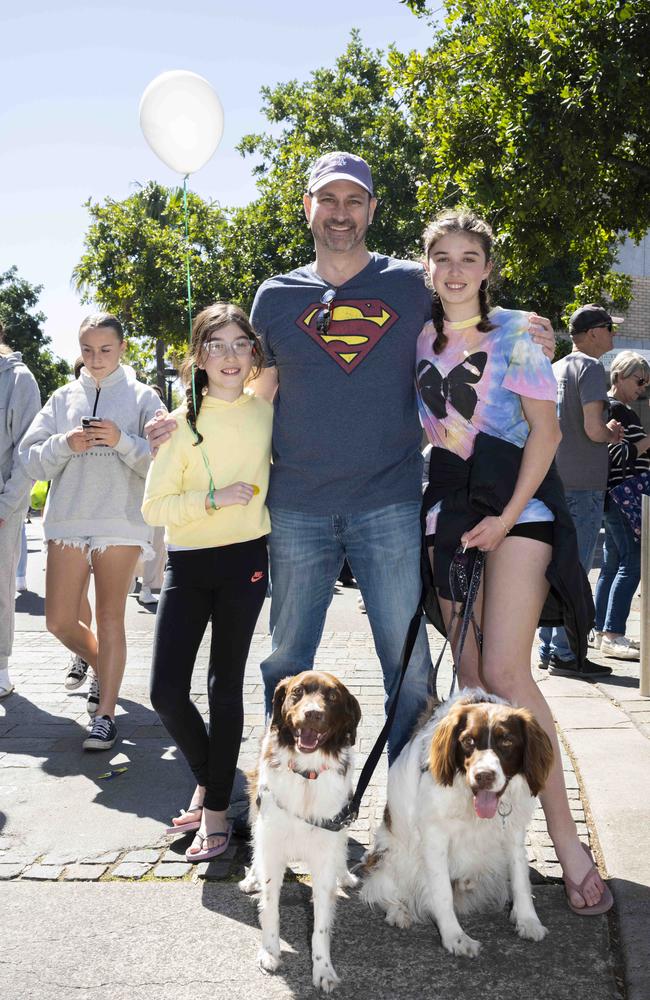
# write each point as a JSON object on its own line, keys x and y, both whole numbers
{"x": 182, "y": 119}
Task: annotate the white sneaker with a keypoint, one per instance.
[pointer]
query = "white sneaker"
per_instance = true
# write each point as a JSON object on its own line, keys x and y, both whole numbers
{"x": 361, "y": 605}
{"x": 147, "y": 597}
{"x": 21, "y": 584}
{"x": 619, "y": 648}
{"x": 595, "y": 639}
{"x": 6, "y": 689}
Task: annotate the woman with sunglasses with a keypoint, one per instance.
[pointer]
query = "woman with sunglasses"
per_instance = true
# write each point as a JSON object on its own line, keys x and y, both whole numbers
{"x": 487, "y": 399}
{"x": 621, "y": 569}
{"x": 207, "y": 486}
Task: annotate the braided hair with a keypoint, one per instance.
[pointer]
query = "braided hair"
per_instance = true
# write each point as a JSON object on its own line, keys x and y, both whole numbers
{"x": 193, "y": 376}
{"x": 460, "y": 220}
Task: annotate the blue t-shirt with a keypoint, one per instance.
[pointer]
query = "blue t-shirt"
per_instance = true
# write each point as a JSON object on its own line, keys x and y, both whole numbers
{"x": 346, "y": 433}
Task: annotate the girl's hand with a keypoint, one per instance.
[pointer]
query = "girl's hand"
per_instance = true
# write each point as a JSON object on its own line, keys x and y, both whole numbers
{"x": 104, "y": 432}
{"x": 486, "y": 536}
{"x": 241, "y": 493}
{"x": 541, "y": 331}
{"x": 159, "y": 429}
{"x": 77, "y": 439}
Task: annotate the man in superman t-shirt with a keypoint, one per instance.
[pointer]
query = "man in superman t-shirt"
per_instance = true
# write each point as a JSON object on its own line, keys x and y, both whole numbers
{"x": 346, "y": 436}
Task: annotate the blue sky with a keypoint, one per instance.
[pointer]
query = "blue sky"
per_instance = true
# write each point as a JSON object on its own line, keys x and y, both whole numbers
{"x": 71, "y": 77}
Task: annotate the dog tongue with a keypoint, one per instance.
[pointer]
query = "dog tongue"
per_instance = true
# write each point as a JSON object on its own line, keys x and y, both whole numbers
{"x": 308, "y": 739}
{"x": 485, "y": 804}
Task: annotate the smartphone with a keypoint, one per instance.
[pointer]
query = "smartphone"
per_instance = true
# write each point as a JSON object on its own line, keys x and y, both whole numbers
{"x": 87, "y": 422}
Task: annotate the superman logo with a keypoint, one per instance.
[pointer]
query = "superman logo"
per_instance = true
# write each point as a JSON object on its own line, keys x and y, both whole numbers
{"x": 356, "y": 326}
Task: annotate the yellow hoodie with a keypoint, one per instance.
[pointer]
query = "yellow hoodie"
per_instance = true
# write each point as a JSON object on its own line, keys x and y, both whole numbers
{"x": 237, "y": 441}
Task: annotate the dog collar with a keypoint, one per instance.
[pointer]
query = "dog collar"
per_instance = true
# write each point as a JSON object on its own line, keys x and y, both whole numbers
{"x": 310, "y": 775}
{"x": 347, "y": 815}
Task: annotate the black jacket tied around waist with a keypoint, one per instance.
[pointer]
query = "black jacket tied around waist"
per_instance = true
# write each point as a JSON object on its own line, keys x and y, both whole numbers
{"x": 482, "y": 486}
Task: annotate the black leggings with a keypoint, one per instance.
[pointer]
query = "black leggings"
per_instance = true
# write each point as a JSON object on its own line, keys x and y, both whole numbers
{"x": 227, "y": 583}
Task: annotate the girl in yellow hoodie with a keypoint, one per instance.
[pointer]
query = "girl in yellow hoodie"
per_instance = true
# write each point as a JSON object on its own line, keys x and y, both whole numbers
{"x": 208, "y": 486}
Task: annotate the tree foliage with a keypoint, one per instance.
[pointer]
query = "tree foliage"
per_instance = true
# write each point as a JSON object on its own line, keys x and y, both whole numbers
{"x": 23, "y": 331}
{"x": 134, "y": 260}
{"x": 536, "y": 113}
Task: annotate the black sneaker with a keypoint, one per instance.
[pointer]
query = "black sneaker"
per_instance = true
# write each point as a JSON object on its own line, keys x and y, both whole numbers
{"x": 102, "y": 736}
{"x": 76, "y": 673}
{"x": 92, "y": 701}
{"x": 543, "y": 662}
{"x": 588, "y": 671}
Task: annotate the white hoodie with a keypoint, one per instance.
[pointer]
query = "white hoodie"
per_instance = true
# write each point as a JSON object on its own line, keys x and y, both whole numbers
{"x": 95, "y": 492}
{"x": 20, "y": 401}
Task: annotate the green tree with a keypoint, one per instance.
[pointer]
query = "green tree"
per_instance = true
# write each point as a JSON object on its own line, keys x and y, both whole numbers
{"x": 23, "y": 331}
{"x": 134, "y": 263}
{"x": 536, "y": 113}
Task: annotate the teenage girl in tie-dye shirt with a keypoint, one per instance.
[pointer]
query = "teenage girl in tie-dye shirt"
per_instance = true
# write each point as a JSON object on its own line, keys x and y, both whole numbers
{"x": 478, "y": 370}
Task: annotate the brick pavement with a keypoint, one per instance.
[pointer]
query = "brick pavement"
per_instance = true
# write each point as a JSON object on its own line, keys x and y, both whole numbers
{"x": 41, "y": 727}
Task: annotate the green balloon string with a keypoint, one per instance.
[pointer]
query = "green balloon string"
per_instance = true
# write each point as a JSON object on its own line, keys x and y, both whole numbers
{"x": 189, "y": 277}
{"x": 189, "y": 317}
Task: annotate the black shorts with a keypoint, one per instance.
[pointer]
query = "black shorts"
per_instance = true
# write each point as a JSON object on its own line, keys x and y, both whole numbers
{"x": 540, "y": 531}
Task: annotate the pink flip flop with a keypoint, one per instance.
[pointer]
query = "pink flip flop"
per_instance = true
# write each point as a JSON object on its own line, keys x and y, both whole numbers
{"x": 606, "y": 900}
{"x": 211, "y": 852}
{"x": 187, "y": 826}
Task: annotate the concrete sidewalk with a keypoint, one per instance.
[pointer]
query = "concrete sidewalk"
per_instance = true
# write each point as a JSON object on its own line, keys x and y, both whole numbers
{"x": 115, "y": 910}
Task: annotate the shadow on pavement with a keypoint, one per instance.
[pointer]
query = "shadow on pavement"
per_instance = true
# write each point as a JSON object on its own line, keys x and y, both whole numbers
{"x": 30, "y": 603}
{"x": 621, "y": 681}
{"x": 382, "y": 962}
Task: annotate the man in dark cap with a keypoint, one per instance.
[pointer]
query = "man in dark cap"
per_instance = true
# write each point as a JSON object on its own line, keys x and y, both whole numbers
{"x": 582, "y": 459}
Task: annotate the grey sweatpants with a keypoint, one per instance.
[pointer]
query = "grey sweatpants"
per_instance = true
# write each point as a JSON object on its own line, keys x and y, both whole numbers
{"x": 9, "y": 553}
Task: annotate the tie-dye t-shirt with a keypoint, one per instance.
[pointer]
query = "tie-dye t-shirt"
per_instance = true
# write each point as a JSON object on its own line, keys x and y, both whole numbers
{"x": 475, "y": 384}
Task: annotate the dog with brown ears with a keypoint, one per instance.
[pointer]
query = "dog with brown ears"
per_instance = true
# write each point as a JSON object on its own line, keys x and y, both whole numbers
{"x": 303, "y": 780}
{"x": 460, "y": 797}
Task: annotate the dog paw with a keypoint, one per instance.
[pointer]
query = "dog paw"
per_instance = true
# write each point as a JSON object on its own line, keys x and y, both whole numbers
{"x": 531, "y": 929}
{"x": 268, "y": 962}
{"x": 348, "y": 881}
{"x": 249, "y": 883}
{"x": 398, "y": 916}
{"x": 462, "y": 944}
{"x": 324, "y": 977}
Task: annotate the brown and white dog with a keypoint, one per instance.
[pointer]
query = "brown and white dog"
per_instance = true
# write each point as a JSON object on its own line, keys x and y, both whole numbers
{"x": 304, "y": 773}
{"x": 460, "y": 797}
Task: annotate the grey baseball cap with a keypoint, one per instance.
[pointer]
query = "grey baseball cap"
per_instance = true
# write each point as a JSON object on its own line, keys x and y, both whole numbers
{"x": 339, "y": 166}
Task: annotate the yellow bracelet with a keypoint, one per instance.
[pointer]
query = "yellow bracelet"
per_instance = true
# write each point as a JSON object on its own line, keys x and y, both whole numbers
{"x": 506, "y": 531}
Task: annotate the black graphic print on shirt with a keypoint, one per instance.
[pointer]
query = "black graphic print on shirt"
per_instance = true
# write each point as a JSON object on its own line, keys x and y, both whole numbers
{"x": 454, "y": 388}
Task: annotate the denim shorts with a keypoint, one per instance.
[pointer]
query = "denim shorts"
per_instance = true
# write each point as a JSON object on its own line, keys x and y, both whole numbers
{"x": 99, "y": 543}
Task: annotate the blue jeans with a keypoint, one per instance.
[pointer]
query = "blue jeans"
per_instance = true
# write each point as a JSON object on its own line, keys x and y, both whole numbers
{"x": 620, "y": 574}
{"x": 383, "y": 548}
{"x": 586, "y": 508}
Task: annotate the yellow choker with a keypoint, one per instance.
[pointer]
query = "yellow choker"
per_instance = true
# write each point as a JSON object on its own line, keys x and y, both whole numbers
{"x": 463, "y": 324}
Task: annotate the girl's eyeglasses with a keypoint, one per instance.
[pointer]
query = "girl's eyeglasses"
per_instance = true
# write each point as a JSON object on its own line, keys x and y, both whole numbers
{"x": 324, "y": 316}
{"x": 219, "y": 349}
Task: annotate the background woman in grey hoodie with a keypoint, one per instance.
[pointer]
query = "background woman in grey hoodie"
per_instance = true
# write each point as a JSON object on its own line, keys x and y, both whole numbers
{"x": 19, "y": 401}
{"x": 88, "y": 440}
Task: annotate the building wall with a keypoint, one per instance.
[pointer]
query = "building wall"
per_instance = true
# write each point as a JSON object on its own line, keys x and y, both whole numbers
{"x": 634, "y": 259}
{"x": 637, "y": 319}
